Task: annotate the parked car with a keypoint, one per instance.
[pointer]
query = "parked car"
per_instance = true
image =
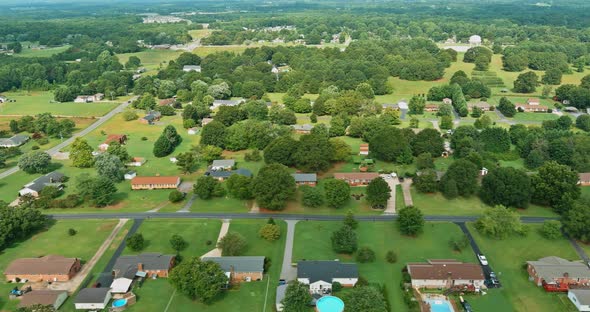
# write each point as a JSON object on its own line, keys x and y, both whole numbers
{"x": 394, "y": 175}
{"x": 282, "y": 282}
{"x": 482, "y": 259}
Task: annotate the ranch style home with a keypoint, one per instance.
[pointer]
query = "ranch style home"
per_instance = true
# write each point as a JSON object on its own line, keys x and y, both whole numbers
{"x": 50, "y": 268}
{"x": 240, "y": 269}
{"x": 556, "y": 270}
{"x": 321, "y": 274}
{"x": 356, "y": 178}
{"x": 154, "y": 183}
{"x": 445, "y": 273}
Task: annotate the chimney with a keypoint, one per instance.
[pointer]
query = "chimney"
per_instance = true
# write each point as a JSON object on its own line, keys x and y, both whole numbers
{"x": 140, "y": 266}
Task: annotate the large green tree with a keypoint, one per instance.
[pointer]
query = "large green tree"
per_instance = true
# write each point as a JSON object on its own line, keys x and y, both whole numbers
{"x": 500, "y": 223}
{"x": 506, "y": 186}
{"x": 337, "y": 192}
{"x": 410, "y": 220}
{"x": 297, "y": 297}
{"x": 313, "y": 153}
{"x": 378, "y": 193}
{"x": 428, "y": 141}
{"x": 205, "y": 187}
{"x": 526, "y": 82}
{"x": 273, "y": 187}
{"x": 198, "y": 280}
{"x": 576, "y": 221}
{"x": 365, "y": 298}
{"x": 344, "y": 240}
{"x": 81, "y": 154}
{"x": 464, "y": 174}
{"x": 281, "y": 150}
{"x": 555, "y": 185}
{"x": 232, "y": 244}
{"x": 35, "y": 162}
{"x": 109, "y": 166}
{"x": 213, "y": 134}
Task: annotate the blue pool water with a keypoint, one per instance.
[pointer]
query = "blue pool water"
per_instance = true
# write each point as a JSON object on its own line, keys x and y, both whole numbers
{"x": 119, "y": 303}
{"x": 438, "y": 305}
{"x": 330, "y": 304}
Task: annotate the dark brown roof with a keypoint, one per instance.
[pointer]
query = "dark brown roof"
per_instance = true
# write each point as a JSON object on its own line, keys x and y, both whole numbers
{"x": 42, "y": 297}
{"x": 115, "y": 137}
{"x": 154, "y": 180}
{"x": 50, "y": 264}
{"x": 584, "y": 176}
{"x": 443, "y": 269}
{"x": 356, "y": 175}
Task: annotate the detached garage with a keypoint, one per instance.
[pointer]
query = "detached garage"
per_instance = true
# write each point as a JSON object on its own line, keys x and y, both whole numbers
{"x": 93, "y": 299}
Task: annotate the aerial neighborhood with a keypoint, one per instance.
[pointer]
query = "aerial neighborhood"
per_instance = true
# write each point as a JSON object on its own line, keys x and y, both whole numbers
{"x": 331, "y": 156}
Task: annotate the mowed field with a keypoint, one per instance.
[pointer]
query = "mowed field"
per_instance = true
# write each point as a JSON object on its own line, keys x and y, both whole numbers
{"x": 37, "y": 102}
{"x": 152, "y": 60}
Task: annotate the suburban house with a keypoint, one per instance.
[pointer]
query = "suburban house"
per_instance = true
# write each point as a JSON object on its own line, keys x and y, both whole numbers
{"x": 93, "y": 299}
{"x": 447, "y": 101}
{"x": 136, "y": 162}
{"x": 580, "y": 298}
{"x": 485, "y": 106}
{"x": 531, "y": 108}
{"x": 53, "y": 298}
{"x": 188, "y": 68}
{"x": 50, "y": 268}
{"x": 310, "y": 179}
{"x": 151, "y": 117}
{"x": 154, "y": 183}
{"x": 533, "y": 101}
{"x": 192, "y": 131}
{"x": 14, "y": 141}
{"x": 431, "y": 107}
{"x": 130, "y": 175}
{"x": 364, "y": 149}
{"x": 445, "y": 274}
{"x": 89, "y": 98}
{"x": 167, "y": 102}
{"x": 145, "y": 264}
{"x": 3, "y": 99}
{"x": 121, "y": 285}
{"x": 222, "y": 175}
{"x": 356, "y": 178}
{"x": 302, "y": 129}
{"x": 218, "y": 103}
{"x": 320, "y": 275}
{"x": 239, "y": 269}
{"x": 584, "y": 179}
{"x": 223, "y": 164}
{"x": 403, "y": 105}
{"x": 51, "y": 179}
{"x": 121, "y": 138}
{"x": 555, "y": 270}
{"x": 205, "y": 121}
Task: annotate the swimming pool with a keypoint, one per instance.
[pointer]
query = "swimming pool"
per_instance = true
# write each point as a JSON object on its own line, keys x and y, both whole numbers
{"x": 440, "y": 305}
{"x": 330, "y": 304}
{"x": 119, "y": 303}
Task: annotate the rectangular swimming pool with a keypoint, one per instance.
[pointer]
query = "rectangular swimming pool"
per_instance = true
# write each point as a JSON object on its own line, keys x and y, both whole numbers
{"x": 440, "y": 305}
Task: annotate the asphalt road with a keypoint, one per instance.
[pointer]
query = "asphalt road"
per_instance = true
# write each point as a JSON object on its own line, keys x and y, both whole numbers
{"x": 84, "y": 132}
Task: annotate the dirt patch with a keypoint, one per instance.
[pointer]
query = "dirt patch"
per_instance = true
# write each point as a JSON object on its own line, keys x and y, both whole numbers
{"x": 106, "y": 227}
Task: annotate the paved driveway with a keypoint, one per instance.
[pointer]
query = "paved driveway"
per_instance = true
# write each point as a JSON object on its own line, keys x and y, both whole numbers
{"x": 392, "y": 182}
{"x": 288, "y": 272}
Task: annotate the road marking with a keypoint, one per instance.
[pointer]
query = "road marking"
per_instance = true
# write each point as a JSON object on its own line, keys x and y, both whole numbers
{"x": 170, "y": 301}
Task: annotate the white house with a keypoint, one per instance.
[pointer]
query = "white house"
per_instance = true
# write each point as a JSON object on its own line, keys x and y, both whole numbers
{"x": 320, "y": 275}
{"x": 475, "y": 40}
{"x": 121, "y": 285}
{"x": 192, "y": 131}
{"x": 580, "y": 298}
{"x": 89, "y": 98}
{"x": 93, "y": 298}
{"x": 34, "y": 188}
{"x": 223, "y": 164}
{"x": 445, "y": 273}
{"x": 188, "y": 68}
{"x": 130, "y": 175}
{"x": 14, "y": 141}
{"x": 136, "y": 162}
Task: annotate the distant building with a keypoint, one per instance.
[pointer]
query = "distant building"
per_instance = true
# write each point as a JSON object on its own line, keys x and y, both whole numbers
{"x": 364, "y": 149}
{"x": 218, "y": 103}
{"x": 482, "y": 105}
{"x": 356, "y": 178}
{"x": 189, "y": 68}
{"x": 136, "y": 162}
{"x": 533, "y": 101}
{"x": 46, "y": 297}
{"x": 14, "y": 141}
{"x": 310, "y": 179}
{"x": 130, "y": 175}
{"x": 167, "y": 102}
{"x": 121, "y": 138}
{"x": 302, "y": 129}
{"x": 531, "y": 108}
{"x": 475, "y": 40}
{"x": 447, "y": 101}
{"x": 239, "y": 269}
{"x": 222, "y": 175}
{"x": 154, "y": 183}
{"x": 431, "y": 107}
{"x": 402, "y": 105}
{"x": 192, "y": 131}
{"x": 584, "y": 178}
{"x": 89, "y": 98}
{"x": 205, "y": 121}
{"x": 151, "y": 117}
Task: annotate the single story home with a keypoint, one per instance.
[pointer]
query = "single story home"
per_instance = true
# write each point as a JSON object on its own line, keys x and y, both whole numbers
{"x": 531, "y": 108}
{"x": 223, "y": 164}
{"x": 136, "y": 162}
{"x": 50, "y": 268}
{"x": 218, "y": 103}
{"x": 356, "y": 178}
{"x": 310, "y": 179}
{"x": 205, "y": 121}
{"x": 533, "y": 101}
{"x": 580, "y": 298}
{"x": 302, "y": 129}
{"x": 51, "y": 179}
{"x": 447, "y": 101}
{"x": 431, "y": 107}
{"x": 403, "y": 105}
{"x": 364, "y": 149}
{"x": 145, "y": 264}
{"x": 445, "y": 274}
{"x": 584, "y": 179}
{"x": 246, "y": 268}
{"x": 222, "y": 175}
{"x": 320, "y": 275}
{"x": 485, "y": 106}
{"x": 45, "y": 297}
{"x": 121, "y": 138}
{"x": 281, "y": 290}
{"x": 389, "y": 105}
{"x": 192, "y": 131}
{"x": 167, "y": 102}
{"x": 121, "y": 285}
{"x": 151, "y": 117}
{"x": 3, "y": 99}
{"x": 554, "y": 270}
{"x": 155, "y": 183}
{"x": 189, "y": 68}
{"x": 130, "y": 175}
{"x": 89, "y": 98}
{"x": 93, "y": 298}
{"x": 14, "y": 141}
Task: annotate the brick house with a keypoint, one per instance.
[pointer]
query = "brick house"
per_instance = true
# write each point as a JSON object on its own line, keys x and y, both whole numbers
{"x": 356, "y": 178}
{"x": 154, "y": 183}
{"x": 445, "y": 274}
{"x": 240, "y": 269}
{"x": 555, "y": 270}
{"x": 51, "y": 179}
{"x": 145, "y": 264}
{"x": 222, "y": 175}
{"x": 431, "y": 108}
{"x": 533, "y": 101}
{"x": 584, "y": 179}
{"x": 531, "y": 108}
{"x": 302, "y": 129}
{"x": 447, "y": 101}
{"x": 484, "y": 106}
{"x": 205, "y": 121}
{"x": 150, "y": 118}
{"x": 50, "y": 268}
{"x": 364, "y": 149}
{"x": 121, "y": 138}
{"x": 310, "y": 179}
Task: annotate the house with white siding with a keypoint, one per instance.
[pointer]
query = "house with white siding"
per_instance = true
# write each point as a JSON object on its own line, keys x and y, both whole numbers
{"x": 320, "y": 274}
{"x": 445, "y": 273}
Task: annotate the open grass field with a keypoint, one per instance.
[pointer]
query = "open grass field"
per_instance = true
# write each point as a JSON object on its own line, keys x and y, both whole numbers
{"x": 152, "y": 60}
{"x": 55, "y": 240}
{"x": 36, "y": 52}
{"x": 36, "y": 102}
{"x": 437, "y": 204}
{"x": 534, "y": 117}
{"x": 312, "y": 242}
{"x": 507, "y": 258}
{"x": 200, "y": 33}
{"x": 203, "y": 51}
{"x": 156, "y": 295}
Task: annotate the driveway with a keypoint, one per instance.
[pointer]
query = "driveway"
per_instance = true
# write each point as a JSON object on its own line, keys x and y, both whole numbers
{"x": 407, "y": 193}
{"x": 487, "y": 269}
{"x": 392, "y": 182}
{"x": 222, "y": 232}
{"x": 288, "y": 272}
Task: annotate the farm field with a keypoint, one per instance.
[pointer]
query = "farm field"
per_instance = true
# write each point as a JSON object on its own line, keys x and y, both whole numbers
{"x": 36, "y": 52}
{"x": 37, "y": 102}
{"x": 152, "y": 60}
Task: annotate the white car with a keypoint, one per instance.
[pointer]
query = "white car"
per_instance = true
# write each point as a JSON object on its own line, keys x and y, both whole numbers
{"x": 393, "y": 175}
{"x": 482, "y": 259}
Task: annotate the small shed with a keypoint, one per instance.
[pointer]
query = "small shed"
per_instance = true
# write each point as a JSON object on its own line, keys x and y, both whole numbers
{"x": 130, "y": 175}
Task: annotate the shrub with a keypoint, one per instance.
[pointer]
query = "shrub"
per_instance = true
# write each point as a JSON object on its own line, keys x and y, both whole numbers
{"x": 391, "y": 256}
{"x": 270, "y": 232}
{"x": 336, "y": 287}
{"x": 135, "y": 242}
{"x": 457, "y": 244}
{"x": 72, "y": 232}
{"x": 175, "y": 196}
{"x": 361, "y": 282}
{"x": 129, "y": 115}
{"x": 35, "y": 147}
{"x": 144, "y": 138}
{"x": 267, "y": 264}
{"x": 43, "y": 141}
{"x": 365, "y": 254}
{"x": 551, "y": 229}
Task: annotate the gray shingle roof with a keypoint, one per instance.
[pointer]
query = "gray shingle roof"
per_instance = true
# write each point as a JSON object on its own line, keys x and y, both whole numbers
{"x": 92, "y": 295}
{"x": 15, "y": 140}
{"x": 582, "y": 295}
{"x": 305, "y": 177}
{"x": 315, "y": 270}
{"x": 305, "y": 127}
{"x": 239, "y": 264}
{"x": 549, "y": 268}
{"x": 43, "y": 181}
{"x": 126, "y": 266}
{"x": 224, "y": 163}
{"x": 227, "y": 102}
{"x": 227, "y": 174}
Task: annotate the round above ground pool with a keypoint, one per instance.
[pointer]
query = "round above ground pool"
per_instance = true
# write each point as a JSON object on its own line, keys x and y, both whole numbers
{"x": 119, "y": 303}
{"x": 330, "y": 304}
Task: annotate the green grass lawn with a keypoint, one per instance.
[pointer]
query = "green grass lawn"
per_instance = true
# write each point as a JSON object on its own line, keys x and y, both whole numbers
{"x": 47, "y": 52}
{"x": 399, "y": 197}
{"x": 507, "y": 258}
{"x": 55, "y": 240}
{"x": 312, "y": 242}
{"x": 437, "y": 204}
{"x": 221, "y": 204}
{"x": 152, "y": 60}
{"x": 157, "y": 234}
{"x": 156, "y": 295}
{"x": 36, "y": 102}
{"x": 534, "y": 117}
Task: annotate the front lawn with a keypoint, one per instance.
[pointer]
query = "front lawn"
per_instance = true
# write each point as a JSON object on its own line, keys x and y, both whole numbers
{"x": 534, "y": 117}
{"x": 507, "y": 258}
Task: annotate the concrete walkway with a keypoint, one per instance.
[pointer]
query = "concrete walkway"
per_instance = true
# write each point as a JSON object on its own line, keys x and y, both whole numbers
{"x": 288, "y": 272}
{"x": 392, "y": 182}
{"x": 406, "y": 191}
{"x": 73, "y": 284}
{"x": 217, "y": 251}
{"x": 188, "y": 204}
